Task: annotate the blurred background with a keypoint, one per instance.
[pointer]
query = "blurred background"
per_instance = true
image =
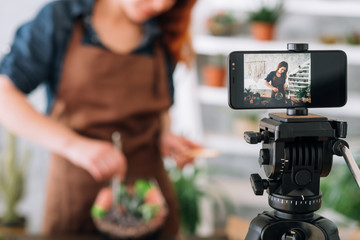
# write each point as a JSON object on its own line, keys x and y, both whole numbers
{"x": 201, "y": 111}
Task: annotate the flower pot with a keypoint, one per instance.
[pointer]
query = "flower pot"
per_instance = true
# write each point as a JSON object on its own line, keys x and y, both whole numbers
{"x": 262, "y": 31}
{"x": 219, "y": 29}
{"x": 222, "y": 24}
{"x": 214, "y": 76}
{"x": 18, "y": 228}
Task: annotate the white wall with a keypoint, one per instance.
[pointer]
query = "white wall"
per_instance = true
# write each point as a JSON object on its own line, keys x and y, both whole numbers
{"x": 13, "y": 13}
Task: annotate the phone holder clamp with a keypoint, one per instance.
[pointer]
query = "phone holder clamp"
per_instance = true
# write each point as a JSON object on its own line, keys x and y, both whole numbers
{"x": 297, "y": 47}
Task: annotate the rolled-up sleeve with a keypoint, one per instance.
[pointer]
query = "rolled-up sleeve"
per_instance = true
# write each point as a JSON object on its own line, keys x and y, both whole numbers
{"x": 30, "y": 60}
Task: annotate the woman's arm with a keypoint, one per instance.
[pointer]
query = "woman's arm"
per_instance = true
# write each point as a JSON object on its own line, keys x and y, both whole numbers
{"x": 271, "y": 86}
{"x": 99, "y": 158}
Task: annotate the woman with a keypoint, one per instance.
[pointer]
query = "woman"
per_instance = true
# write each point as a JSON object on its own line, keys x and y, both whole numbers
{"x": 107, "y": 65}
{"x": 276, "y": 81}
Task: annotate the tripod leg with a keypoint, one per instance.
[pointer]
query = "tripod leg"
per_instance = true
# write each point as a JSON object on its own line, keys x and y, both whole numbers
{"x": 328, "y": 227}
{"x": 257, "y": 226}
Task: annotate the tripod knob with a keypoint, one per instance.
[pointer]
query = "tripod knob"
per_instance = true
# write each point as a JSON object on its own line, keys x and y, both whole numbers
{"x": 294, "y": 234}
{"x": 252, "y": 137}
{"x": 258, "y": 184}
{"x": 264, "y": 157}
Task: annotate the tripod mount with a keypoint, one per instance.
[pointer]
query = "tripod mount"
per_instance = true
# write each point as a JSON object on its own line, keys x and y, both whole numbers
{"x": 296, "y": 151}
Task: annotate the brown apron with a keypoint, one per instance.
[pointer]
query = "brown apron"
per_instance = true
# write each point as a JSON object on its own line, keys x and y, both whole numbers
{"x": 101, "y": 92}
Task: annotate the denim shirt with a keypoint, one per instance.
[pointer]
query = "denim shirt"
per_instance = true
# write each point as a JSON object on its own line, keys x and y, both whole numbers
{"x": 39, "y": 46}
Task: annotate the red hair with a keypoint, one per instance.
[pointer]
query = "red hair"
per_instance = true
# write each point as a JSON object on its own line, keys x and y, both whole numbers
{"x": 175, "y": 26}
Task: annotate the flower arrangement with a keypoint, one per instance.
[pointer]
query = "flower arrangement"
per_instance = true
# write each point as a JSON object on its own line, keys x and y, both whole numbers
{"x": 138, "y": 210}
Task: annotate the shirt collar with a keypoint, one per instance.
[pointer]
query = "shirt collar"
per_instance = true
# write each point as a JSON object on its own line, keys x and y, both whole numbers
{"x": 151, "y": 32}
{"x": 82, "y": 7}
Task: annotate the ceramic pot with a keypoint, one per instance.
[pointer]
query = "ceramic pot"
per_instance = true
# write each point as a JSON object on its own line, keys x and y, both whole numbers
{"x": 214, "y": 76}
{"x": 13, "y": 229}
{"x": 262, "y": 31}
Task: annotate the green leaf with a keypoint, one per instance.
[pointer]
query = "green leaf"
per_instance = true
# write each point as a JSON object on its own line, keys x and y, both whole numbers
{"x": 341, "y": 193}
{"x": 188, "y": 196}
{"x": 141, "y": 186}
{"x": 149, "y": 211}
{"x": 266, "y": 13}
{"x": 97, "y": 211}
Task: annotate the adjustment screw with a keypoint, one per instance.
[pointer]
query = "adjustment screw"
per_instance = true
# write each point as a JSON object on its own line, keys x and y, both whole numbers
{"x": 293, "y": 234}
{"x": 303, "y": 177}
{"x": 264, "y": 157}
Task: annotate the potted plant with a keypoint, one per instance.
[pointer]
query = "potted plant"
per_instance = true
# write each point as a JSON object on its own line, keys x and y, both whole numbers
{"x": 214, "y": 71}
{"x": 340, "y": 192}
{"x": 302, "y": 95}
{"x": 191, "y": 189}
{"x": 132, "y": 210}
{"x": 264, "y": 19}
{"x": 222, "y": 24}
{"x": 353, "y": 38}
{"x": 305, "y": 97}
{"x": 12, "y": 174}
{"x": 188, "y": 195}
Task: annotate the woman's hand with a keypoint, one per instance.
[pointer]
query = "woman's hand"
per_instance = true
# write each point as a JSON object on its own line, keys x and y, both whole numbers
{"x": 274, "y": 89}
{"x": 177, "y": 147}
{"x": 100, "y": 158}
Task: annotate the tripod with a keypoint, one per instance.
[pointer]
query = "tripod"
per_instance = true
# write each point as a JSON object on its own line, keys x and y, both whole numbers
{"x": 297, "y": 149}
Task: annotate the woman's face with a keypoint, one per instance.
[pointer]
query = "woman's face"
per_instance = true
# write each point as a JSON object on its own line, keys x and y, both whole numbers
{"x": 140, "y": 11}
{"x": 282, "y": 69}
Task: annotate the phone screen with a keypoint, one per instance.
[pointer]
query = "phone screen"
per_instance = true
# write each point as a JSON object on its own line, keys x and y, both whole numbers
{"x": 287, "y": 79}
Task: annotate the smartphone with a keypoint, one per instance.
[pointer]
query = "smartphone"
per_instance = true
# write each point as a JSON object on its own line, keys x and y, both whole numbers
{"x": 284, "y": 79}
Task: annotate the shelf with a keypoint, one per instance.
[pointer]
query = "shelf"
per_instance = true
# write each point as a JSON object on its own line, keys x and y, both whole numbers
{"x": 338, "y": 8}
{"x": 212, "y": 45}
{"x": 298, "y": 80}
{"x": 324, "y": 8}
{"x": 213, "y": 95}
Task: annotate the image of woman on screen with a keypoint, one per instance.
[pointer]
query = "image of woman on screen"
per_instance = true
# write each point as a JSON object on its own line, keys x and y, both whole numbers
{"x": 276, "y": 81}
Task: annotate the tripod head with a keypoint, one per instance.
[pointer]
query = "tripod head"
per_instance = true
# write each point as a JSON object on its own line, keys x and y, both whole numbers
{"x": 296, "y": 152}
